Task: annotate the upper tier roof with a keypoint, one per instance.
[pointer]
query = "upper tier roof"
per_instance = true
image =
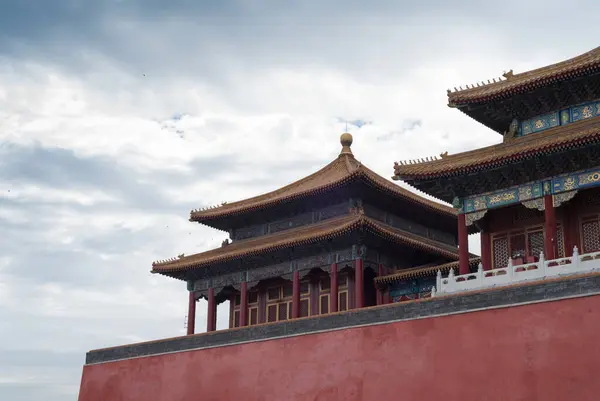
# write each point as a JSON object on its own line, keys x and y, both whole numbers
{"x": 514, "y": 84}
{"x": 305, "y": 235}
{"x": 521, "y": 148}
{"x": 343, "y": 170}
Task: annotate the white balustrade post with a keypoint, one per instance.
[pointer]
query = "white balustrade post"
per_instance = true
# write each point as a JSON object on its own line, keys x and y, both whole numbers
{"x": 575, "y": 258}
{"x": 480, "y": 274}
{"x": 510, "y": 270}
{"x": 451, "y": 280}
{"x": 438, "y": 280}
{"x": 432, "y": 292}
{"x": 542, "y": 264}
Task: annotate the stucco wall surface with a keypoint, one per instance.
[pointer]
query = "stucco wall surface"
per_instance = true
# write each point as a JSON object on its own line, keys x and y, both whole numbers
{"x": 546, "y": 351}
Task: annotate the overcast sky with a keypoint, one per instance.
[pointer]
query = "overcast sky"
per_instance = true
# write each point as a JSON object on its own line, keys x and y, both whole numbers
{"x": 118, "y": 117}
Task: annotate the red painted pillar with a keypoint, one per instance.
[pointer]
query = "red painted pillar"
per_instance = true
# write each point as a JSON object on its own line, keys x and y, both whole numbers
{"x": 296, "y": 295}
{"x": 244, "y": 304}
{"x": 550, "y": 222}
{"x": 486, "y": 251}
{"x": 387, "y": 299}
{"x": 191, "y": 318}
{"x": 379, "y": 293}
{"x": 212, "y": 311}
{"x": 333, "y": 289}
{"x": 463, "y": 245}
{"x": 358, "y": 284}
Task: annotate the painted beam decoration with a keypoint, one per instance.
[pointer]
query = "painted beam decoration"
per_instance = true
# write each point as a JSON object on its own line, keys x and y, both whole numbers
{"x": 562, "y": 117}
{"x": 530, "y": 191}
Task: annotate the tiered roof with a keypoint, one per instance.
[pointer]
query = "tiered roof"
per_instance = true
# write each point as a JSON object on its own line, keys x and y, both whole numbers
{"x": 341, "y": 171}
{"x": 519, "y": 159}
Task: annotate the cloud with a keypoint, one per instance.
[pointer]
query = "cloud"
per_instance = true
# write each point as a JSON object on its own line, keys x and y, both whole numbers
{"x": 119, "y": 117}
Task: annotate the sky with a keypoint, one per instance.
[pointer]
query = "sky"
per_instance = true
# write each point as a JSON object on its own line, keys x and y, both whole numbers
{"x": 117, "y": 117}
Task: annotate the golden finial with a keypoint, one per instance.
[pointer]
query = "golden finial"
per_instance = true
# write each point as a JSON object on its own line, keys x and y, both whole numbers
{"x": 346, "y": 141}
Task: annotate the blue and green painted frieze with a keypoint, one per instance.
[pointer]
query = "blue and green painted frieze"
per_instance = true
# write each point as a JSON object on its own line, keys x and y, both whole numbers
{"x": 529, "y": 191}
{"x": 562, "y": 117}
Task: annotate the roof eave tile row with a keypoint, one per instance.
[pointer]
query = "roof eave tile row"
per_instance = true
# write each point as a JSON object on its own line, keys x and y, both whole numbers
{"x": 361, "y": 172}
{"x": 501, "y": 154}
{"x": 423, "y": 271}
{"x": 302, "y": 236}
{"x": 581, "y": 65}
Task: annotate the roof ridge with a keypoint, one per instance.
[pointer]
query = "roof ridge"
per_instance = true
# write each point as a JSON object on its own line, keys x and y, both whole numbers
{"x": 322, "y": 170}
{"x": 509, "y": 80}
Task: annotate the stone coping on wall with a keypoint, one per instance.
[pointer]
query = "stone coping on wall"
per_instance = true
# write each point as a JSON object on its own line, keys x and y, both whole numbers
{"x": 540, "y": 291}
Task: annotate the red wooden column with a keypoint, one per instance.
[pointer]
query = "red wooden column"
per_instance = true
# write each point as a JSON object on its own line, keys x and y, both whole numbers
{"x": 244, "y": 304}
{"x": 358, "y": 284}
{"x": 296, "y": 295}
{"x": 191, "y": 318}
{"x": 212, "y": 311}
{"x": 463, "y": 245}
{"x": 550, "y": 222}
{"x": 333, "y": 289}
{"x": 387, "y": 299}
{"x": 379, "y": 293}
{"x": 486, "y": 250}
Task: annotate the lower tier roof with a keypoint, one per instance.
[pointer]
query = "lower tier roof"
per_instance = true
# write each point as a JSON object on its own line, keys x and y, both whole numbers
{"x": 423, "y": 271}
{"x": 305, "y": 235}
{"x": 552, "y": 140}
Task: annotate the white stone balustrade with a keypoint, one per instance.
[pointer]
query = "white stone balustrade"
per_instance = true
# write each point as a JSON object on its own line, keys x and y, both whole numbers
{"x": 510, "y": 274}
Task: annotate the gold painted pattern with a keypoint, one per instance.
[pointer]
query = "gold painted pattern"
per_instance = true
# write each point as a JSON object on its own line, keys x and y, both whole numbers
{"x": 504, "y": 197}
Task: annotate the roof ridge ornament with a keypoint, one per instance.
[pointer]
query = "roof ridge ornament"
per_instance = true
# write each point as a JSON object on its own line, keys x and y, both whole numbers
{"x": 346, "y": 141}
{"x": 427, "y": 159}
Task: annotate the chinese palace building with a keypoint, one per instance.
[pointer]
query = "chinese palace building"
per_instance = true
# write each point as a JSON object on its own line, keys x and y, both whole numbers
{"x": 345, "y": 286}
{"x": 315, "y": 247}
{"x": 537, "y": 193}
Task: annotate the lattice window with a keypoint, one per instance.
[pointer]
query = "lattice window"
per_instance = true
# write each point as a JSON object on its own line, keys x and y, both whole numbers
{"x": 236, "y": 318}
{"x": 324, "y": 304}
{"x": 283, "y": 309}
{"x": 253, "y": 316}
{"x": 560, "y": 242}
{"x": 272, "y": 313}
{"x": 304, "y": 307}
{"x": 500, "y": 252}
{"x": 343, "y": 301}
{"x": 536, "y": 243}
{"x": 517, "y": 245}
{"x": 591, "y": 236}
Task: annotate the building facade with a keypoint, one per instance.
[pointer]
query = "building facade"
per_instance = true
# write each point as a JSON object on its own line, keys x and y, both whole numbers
{"x": 315, "y": 246}
{"x": 537, "y": 193}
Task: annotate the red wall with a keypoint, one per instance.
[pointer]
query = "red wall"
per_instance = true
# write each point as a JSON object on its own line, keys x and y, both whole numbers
{"x": 548, "y": 351}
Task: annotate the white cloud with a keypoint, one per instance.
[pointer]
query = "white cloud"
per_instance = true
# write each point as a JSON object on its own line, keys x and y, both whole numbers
{"x": 106, "y": 148}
